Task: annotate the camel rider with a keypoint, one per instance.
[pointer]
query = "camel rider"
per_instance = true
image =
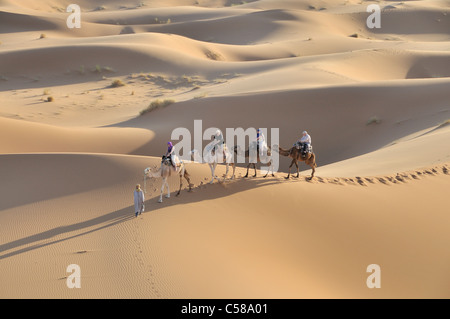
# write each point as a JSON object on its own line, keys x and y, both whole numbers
{"x": 261, "y": 144}
{"x": 219, "y": 141}
{"x": 304, "y": 143}
{"x": 170, "y": 153}
{"x": 218, "y": 138}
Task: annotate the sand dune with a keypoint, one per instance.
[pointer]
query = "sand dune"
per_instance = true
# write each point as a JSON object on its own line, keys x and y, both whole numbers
{"x": 35, "y": 138}
{"x": 73, "y": 146}
{"x": 309, "y": 109}
{"x": 199, "y": 244}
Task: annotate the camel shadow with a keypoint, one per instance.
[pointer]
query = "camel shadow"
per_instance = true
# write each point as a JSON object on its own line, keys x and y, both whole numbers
{"x": 204, "y": 191}
{"x": 200, "y": 192}
{"x": 102, "y": 222}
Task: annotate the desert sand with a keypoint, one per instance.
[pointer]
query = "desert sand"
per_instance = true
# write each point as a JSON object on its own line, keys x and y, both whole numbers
{"x": 376, "y": 103}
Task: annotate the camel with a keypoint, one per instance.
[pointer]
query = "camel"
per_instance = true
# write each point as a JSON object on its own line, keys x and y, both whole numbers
{"x": 296, "y": 155}
{"x": 165, "y": 171}
{"x": 268, "y": 160}
{"x": 213, "y": 160}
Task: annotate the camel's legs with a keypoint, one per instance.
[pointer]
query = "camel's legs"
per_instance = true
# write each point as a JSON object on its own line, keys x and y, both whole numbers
{"x": 213, "y": 168}
{"x": 168, "y": 189}
{"x": 162, "y": 190}
{"x": 234, "y": 169}
{"x": 186, "y": 175}
{"x": 248, "y": 167}
{"x": 269, "y": 169}
{"x": 313, "y": 167}
{"x": 298, "y": 171}
{"x": 226, "y": 172}
{"x": 270, "y": 165}
{"x": 215, "y": 176}
{"x": 181, "y": 181}
{"x": 289, "y": 174}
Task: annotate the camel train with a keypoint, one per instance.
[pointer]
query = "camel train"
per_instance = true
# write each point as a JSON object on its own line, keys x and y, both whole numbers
{"x": 219, "y": 153}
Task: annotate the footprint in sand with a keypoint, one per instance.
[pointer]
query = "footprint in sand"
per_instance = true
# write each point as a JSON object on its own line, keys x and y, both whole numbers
{"x": 349, "y": 181}
{"x": 335, "y": 181}
{"x": 405, "y": 176}
{"x": 445, "y": 170}
{"x": 360, "y": 181}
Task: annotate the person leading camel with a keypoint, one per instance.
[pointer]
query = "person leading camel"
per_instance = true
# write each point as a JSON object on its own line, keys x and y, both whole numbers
{"x": 138, "y": 200}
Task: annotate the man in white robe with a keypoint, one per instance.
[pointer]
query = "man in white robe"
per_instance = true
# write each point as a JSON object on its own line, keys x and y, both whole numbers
{"x": 138, "y": 200}
{"x": 218, "y": 143}
{"x": 261, "y": 143}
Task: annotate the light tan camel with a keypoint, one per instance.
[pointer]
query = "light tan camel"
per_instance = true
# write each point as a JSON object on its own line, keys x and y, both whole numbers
{"x": 212, "y": 159}
{"x": 165, "y": 171}
{"x": 296, "y": 155}
{"x": 267, "y": 159}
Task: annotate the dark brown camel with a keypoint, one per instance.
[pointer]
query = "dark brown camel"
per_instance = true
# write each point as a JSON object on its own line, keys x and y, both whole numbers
{"x": 296, "y": 155}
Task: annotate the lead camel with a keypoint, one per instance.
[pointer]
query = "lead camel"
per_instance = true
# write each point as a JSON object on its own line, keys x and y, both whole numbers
{"x": 296, "y": 155}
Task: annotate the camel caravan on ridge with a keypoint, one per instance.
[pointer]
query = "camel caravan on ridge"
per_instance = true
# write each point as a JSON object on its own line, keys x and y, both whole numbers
{"x": 217, "y": 152}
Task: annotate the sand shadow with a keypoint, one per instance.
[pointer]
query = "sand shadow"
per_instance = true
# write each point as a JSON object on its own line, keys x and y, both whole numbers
{"x": 205, "y": 191}
{"x": 72, "y": 174}
{"x": 104, "y": 221}
{"x": 199, "y": 193}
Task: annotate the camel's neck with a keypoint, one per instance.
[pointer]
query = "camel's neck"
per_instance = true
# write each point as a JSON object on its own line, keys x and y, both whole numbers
{"x": 155, "y": 174}
{"x": 283, "y": 152}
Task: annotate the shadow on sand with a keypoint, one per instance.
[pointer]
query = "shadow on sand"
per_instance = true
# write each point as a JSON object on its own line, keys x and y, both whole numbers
{"x": 200, "y": 192}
